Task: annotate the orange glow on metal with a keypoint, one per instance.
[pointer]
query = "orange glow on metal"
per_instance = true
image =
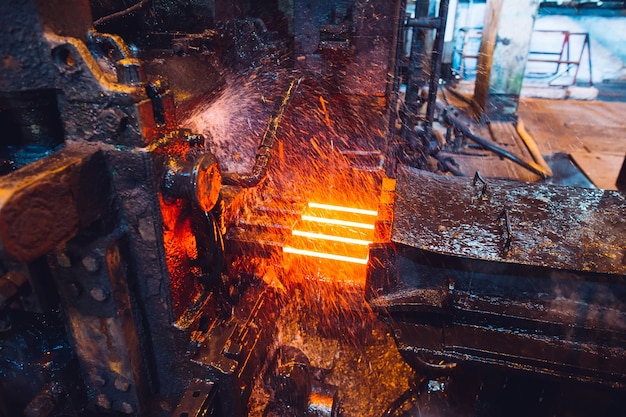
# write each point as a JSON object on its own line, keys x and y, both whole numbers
{"x": 324, "y": 255}
{"x": 338, "y": 222}
{"x": 329, "y": 233}
{"x": 344, "y": 209}
{"x": 342, "y": 239}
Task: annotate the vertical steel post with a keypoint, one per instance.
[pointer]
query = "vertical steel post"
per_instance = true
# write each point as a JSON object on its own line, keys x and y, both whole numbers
{"x": 435, "y": 67}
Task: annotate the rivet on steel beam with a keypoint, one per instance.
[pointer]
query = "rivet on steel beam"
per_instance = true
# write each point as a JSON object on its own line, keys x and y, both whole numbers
{"x": 121, "y": 384}
{"x": 99, "y": 293}
{"x": 98, "y": 379}
{"x": 91, "y": 263}
{"x": 63, "y": 260}
{"x": 103, "y": 401}
{"x": 126, "y": 408}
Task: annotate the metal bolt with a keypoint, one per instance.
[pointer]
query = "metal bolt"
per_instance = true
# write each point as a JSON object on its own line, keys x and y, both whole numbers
{"x": 63, "y": 260}
{"x": 91, "y": 263}
{"x": 99, "y": 293}
{"x": 97, "y": 379}
{"x": 126, "y": 408}
{"x": 121, "y": 384}
{"x": 103, "y": 401}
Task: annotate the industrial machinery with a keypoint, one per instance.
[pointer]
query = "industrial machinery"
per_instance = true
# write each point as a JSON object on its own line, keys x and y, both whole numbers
{"x": 231, "y": 208}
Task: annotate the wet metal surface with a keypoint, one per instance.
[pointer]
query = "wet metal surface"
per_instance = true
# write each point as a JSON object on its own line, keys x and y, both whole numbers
{"x": 550, "y": 226}
{"x": 508, "y": 275}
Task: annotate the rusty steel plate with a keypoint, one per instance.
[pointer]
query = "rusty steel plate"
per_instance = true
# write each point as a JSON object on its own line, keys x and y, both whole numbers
{"x": 506, "y": 221}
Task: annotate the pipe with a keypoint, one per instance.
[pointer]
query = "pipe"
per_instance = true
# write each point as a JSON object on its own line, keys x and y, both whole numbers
{"x": 425, "y": 22}
{"x": 113, "y": 16}
{"x": 457, "y": 95}
{"x": 532, "y": 147}
{"x": 444, "y": 163}
{"x": 264, "y": 152}
{"x": 530, "y": 143}
{"x": 529, "y": 165}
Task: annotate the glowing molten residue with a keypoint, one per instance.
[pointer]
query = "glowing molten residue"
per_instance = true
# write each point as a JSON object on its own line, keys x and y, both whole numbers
{"x": 338, "y": 222}
{"x": 328, "y": 238}
{"x": 304, "y": 252}
{"x": 343, "y": 209}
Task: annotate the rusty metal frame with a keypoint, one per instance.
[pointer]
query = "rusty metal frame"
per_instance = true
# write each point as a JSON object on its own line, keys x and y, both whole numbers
{"x": 564, "y": 56}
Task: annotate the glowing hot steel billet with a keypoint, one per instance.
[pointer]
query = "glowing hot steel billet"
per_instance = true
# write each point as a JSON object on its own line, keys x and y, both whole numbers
{"x": 330, "y": 237}
{"x": 338, "y": 222}
{"x": 343, "y": 209}
{"x": 303, "y": 252}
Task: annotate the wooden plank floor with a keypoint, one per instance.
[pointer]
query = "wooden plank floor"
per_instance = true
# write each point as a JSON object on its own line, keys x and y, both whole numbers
{"x": 601, "y": 168}
{"x": 592, "y": 132}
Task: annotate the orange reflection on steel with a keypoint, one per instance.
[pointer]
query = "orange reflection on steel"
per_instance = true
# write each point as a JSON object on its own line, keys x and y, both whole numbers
{"x": 343, "y": 209}
{"x": 323, "y": 255}
{"x": 331, "y": 242}
{"x": 338, "y": 222}
{"x": 330, "y": 237}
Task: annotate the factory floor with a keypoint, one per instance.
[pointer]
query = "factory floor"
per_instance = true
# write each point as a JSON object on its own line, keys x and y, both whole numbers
{"x": 592, "y": 133}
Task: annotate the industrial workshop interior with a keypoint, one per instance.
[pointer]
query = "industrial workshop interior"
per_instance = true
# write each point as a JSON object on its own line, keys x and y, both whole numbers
{"x": 312, "y": 208}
